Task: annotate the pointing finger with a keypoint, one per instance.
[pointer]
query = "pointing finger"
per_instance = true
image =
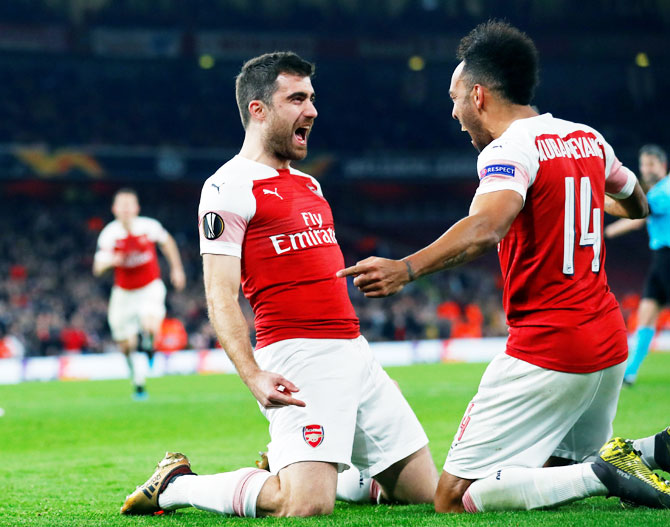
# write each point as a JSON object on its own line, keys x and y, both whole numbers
{"x": 349, "y": 271}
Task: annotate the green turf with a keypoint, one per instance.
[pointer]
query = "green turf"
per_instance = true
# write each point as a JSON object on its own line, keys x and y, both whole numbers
{"x": 71, "y": 451}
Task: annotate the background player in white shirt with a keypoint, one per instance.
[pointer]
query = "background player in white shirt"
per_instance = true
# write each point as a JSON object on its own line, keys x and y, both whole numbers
{"x": 267, "y": 225}
{"x": 550, "y": 399}
{"x": 137, "y": 302}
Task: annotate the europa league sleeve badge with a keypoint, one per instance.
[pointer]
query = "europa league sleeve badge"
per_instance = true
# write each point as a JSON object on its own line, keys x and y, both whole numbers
{"x": 212, "y": 225}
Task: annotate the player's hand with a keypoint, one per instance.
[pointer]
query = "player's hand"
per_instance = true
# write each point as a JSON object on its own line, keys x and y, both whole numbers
{"x": 272, "y": 390}
{"x": 117, "y": 259}
{"x": 178, "y": 279}
{"x": 378, "y": 277}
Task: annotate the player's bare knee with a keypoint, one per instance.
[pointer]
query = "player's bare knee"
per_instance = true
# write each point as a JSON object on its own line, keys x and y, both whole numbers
{"x": 410, "y": 480}
{"x": 304, "y": 506}
{"x": 449, "y": 501}
{"x": 283, "y": 501}
{"x": 449, "y": 494}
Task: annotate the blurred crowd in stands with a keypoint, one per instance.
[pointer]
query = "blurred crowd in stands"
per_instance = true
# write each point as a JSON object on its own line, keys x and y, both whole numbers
{"x": 370, "y": 96}
{"x": 50, "y": 302}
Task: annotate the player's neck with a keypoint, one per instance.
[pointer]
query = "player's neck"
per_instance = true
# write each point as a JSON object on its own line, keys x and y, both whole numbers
{"x": 127, "y": 224}
{"x": 505, "y": 115}
{"x": 253, "y": 149}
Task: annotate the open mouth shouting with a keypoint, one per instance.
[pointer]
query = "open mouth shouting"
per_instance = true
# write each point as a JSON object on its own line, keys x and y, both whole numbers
{"x": 301, "y": 133}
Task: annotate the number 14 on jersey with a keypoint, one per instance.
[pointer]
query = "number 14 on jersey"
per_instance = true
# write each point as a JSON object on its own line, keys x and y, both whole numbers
{"x": 587, "y": 237}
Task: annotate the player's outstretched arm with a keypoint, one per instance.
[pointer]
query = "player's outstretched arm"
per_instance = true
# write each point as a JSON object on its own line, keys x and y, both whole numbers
{"x": 222, "y": 284}
{"x": 623, "y": 226}
{"x": 171, "y": 252}
{"x": 634, "y": 207}
{"x": 491, "y": 216}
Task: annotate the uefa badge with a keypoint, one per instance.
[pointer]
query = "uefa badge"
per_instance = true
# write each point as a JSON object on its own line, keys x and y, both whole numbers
{"x": 212, "y": 225}
{"x": 313, "y": 435}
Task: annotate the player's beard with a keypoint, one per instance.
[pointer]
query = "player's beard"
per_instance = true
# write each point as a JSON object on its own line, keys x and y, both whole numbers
{"x": 278, "y": 141}
{"x": 471, "y": 122}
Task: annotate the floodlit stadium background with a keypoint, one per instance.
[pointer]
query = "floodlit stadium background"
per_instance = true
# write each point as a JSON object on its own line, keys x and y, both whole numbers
{"x": 98, "y": 94}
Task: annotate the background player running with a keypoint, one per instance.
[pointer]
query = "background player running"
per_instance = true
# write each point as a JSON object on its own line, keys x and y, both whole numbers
{"x": 551, "y": 398}
{"x": 137, "y": 302}
{"x": 654, "y": 172}
{"x": 267, "y": 224}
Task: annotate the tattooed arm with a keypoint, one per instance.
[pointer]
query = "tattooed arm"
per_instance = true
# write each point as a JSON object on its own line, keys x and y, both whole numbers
{"x": 491, "y": 216}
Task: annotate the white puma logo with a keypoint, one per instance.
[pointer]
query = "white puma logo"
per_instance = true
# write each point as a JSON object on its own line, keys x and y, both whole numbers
{"x": 273, "y": 192}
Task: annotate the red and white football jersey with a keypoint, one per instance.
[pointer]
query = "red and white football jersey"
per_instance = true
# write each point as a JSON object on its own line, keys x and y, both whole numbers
{"x": 561, "y": 312}
{"x": 140, "y": 262}
{"x": 280, "y": 225}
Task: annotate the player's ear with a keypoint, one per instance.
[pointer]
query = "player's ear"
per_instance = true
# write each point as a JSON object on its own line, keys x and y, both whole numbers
{"x": 478, "y": 96}
{"x": 257, "y": 110}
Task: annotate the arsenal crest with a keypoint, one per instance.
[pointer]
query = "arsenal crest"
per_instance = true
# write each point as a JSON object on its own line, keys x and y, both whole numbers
{"x": 313, "y": 435}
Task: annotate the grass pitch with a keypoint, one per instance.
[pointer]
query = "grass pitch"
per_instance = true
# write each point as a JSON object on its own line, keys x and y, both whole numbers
{"x": 71, "y": 451}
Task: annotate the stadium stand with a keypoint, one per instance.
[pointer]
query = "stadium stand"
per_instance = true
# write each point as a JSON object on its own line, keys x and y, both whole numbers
{"x": 50, "y": 301}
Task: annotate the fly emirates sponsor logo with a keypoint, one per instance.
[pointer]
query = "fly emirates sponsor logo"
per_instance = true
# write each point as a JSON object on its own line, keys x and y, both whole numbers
{"x": 314, "y": 235}
{"x": 137, "y": 258}
{"x": 575, "y": 147}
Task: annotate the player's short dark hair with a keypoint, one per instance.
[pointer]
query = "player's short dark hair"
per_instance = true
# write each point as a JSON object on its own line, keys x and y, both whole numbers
{"x": 126, "y": 190}
{"x": 257, "y": 81}
{"x": 656, "y": 151}
{"x": 502, "y": 58}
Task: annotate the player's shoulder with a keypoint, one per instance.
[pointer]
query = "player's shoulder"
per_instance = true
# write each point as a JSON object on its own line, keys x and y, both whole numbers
{"x": 235, "y": 179}
{"x": 241, "y": 171}
{"x": 562, "y": 127}
{"x": 145, "y": 223}
{"x": 517, "y": 143}
{"x": 310, "y": 179}
{"x": 230, "y": 188}
{"x": 111, "y": 230}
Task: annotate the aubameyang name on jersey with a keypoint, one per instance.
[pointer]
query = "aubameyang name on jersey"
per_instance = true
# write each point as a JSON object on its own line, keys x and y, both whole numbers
{"x": 313, "y": 236}
{"x": 575, "y": 147}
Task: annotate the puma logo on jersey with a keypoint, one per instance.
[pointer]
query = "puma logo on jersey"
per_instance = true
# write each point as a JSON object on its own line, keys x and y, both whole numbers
{"x": 217, "y": 187}
{"x": 273, "y": 192}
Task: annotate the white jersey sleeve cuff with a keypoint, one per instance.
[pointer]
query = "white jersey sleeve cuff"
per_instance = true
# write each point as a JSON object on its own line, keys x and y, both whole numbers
{"x": 219, "y": 247}
{"x": 628, "y": 188}
{"x": 502, "y": 185}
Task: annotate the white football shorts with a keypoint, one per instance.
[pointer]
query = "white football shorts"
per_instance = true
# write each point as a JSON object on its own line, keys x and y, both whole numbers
{"x": 355, "y": 414}
{"x": 523, "y": 414}
{"x": 127, "y": 308}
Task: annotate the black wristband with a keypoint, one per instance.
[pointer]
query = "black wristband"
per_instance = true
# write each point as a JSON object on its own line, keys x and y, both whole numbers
{"x": 410, "y": 271}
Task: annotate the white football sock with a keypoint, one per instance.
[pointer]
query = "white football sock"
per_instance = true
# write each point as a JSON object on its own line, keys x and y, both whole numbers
{"x": 647, "y": 447}
{"x": 532, "y": 488}
{"x": 226, "y": 493}
{"x": 353, "y": 487}
{"x": 136, "y": 370}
